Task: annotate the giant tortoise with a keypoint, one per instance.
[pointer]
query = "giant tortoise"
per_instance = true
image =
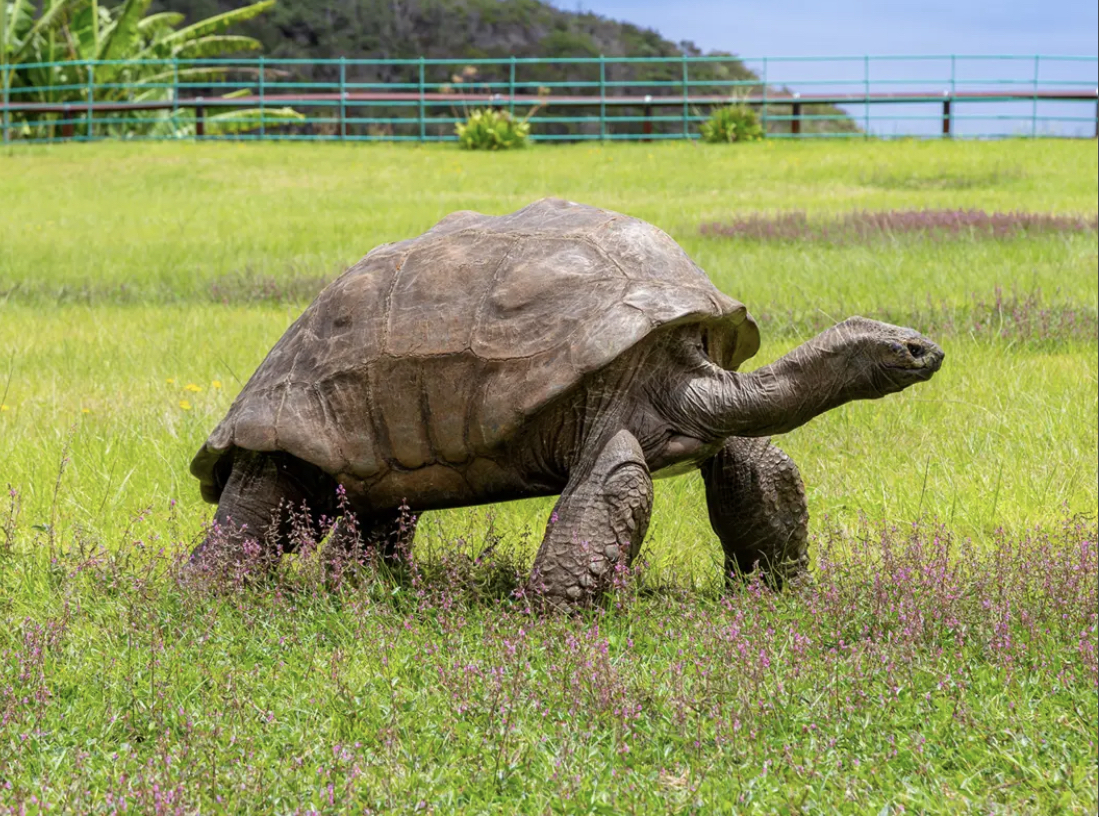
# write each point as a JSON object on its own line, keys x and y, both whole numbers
{"x": 560, "y": 349}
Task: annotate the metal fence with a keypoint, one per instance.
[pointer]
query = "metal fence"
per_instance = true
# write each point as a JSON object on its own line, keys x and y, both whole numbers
{"x": 598, "y": 98}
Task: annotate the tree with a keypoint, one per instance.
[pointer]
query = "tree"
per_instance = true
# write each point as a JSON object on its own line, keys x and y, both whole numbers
{"x": 55, "y": 57}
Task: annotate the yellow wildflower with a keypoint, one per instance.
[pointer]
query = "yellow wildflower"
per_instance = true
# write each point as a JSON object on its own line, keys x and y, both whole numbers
{"x": 85, "y": 411}
{"x": 193, "y": 387}
{"x": 3, "y": 407}
{"x": 183, "y": 404}
{"x": 171, "y": 380}
{"x": 215, "y": 384}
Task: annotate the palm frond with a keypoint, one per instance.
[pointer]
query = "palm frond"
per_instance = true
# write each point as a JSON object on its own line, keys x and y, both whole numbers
{"x": 124, "y": 33}
{"x": 43, "y": 24}
{"x": 14, "y": 17}
{"x": 243, "y": 120}
{"x": 217, "y": 23}
{"x": 210, "y": 73}
{"x": 214, "y": 45}
{"x": 162, "y": 19}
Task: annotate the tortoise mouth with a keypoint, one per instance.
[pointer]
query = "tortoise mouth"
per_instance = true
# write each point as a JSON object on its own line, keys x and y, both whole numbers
{"x": 923, "y": 371}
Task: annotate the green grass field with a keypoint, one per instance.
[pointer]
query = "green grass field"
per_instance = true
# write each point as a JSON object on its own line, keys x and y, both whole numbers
{"x": 140, "y": 285}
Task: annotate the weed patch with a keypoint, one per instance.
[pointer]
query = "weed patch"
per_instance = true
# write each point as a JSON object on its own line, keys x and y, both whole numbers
{"x": 926, "y": 224}
{"x": 129, "y": 688}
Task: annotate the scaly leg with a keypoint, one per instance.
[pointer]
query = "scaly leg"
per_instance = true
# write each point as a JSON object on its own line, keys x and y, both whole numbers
{"x": 757, "y": 508}
{"x": 600, "y": 519}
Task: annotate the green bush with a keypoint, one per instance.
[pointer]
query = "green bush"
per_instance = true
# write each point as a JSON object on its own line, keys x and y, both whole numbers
{"x": 489, "y": 129}
{"x": 46, "y": 48}
{"x": 733, "y": 123}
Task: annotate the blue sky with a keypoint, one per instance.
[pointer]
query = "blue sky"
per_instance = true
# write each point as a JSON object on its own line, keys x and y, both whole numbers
{"x": 790, "y": 27}
{"x": 774, "y": 28}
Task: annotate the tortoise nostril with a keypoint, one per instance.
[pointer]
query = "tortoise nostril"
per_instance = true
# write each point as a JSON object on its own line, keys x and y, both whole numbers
{"x": 915, "y": 349}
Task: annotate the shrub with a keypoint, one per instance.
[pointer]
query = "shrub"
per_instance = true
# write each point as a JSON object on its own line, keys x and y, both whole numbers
{"x": 733, "y": 123}
{"x": 132, "y": 49}
{"x": 488, "y": 129}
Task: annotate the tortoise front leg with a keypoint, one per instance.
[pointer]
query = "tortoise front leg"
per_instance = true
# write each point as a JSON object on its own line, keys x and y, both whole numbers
{"x": 757, "y": 508}
{"x": 600, "y": 519}
{"x": 269, "y": 502}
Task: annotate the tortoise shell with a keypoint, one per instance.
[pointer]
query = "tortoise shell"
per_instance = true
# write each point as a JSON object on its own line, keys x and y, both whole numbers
{"x": 439, "y": 348}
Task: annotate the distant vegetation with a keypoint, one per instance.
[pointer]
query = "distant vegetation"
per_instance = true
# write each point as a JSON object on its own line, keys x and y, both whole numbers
{"x": 476, "y": 29}
{"x": 733, "y": 123}
{"x": 33, "y": 32}
{"x": 488, "y": 129}
{"x": 42, "y": 47}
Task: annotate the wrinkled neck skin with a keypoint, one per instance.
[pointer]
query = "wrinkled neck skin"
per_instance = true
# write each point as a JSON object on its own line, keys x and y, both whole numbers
{"x": 779, "y": 397}
{"x": 711, "y": 403}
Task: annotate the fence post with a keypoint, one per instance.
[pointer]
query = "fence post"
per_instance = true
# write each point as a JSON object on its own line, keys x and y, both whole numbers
{"x": 175, "y": 95}
{"x": 1034, "y": 102}
{"x": 343, "y": 98}
{"x": 953, "y": 90}
{"x": 66, "y": 123}
{"x": 200, "y": 120}
{"x": 686, "y": 94}
{"x": 602, "y": 97}
{"x": 795, "y": 121}
{"x": 763, "y": 104}
{"x": 946, "y": 117}
{"x": 866, "y": 92}
{"x": 91, "y": 96}
{"x": 423, "y": 111}
{"x": 511, "y": 85}
{"x": 262, "y": 98}
{"x": 4, "y": 80}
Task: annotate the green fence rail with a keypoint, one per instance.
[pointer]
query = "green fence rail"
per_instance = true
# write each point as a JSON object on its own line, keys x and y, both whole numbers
{"x": 566, "y": 99}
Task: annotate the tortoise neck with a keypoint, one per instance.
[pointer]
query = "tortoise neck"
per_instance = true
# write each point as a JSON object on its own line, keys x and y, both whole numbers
{"x": 779, "y": 397}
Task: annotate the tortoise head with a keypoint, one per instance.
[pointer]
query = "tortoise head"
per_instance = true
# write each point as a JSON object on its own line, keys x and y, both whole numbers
{"x": 865, "y": 359}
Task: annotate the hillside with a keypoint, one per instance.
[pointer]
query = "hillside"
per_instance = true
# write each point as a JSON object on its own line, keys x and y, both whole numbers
{"x": 438, "y": 28}
{"x": 469, "y": 29}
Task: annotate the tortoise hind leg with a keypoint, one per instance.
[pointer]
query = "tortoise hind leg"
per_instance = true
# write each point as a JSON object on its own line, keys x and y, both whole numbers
{"x": 600, "y": 519}
{"x": 757, "y": 508}
{"x": 270, "y": 501}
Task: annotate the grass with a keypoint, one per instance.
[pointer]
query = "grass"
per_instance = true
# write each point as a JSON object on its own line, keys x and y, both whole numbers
{"x": 167, "y": 222}
{"x": 943, "y": 661}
